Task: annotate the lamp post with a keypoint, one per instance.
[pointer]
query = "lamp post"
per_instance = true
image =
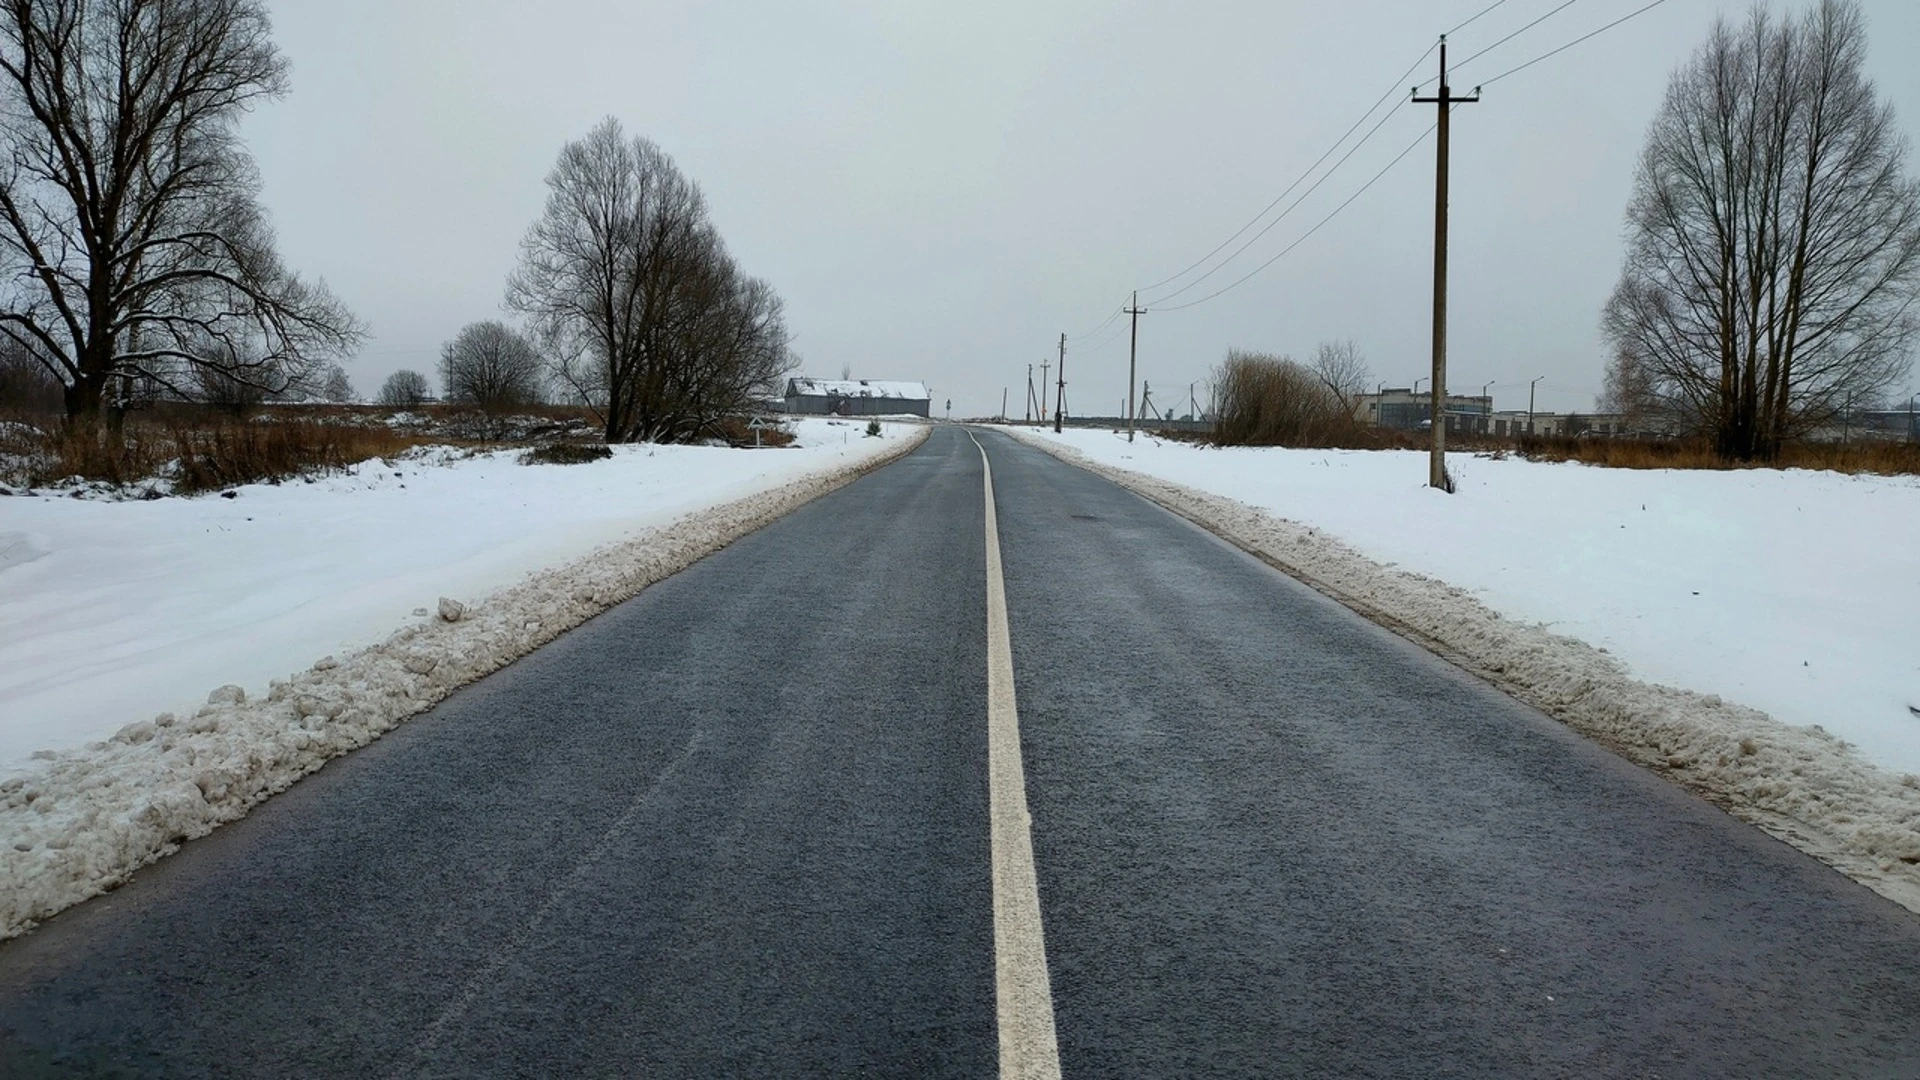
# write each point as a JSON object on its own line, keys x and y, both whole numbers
{"x": 1530, "y": 404}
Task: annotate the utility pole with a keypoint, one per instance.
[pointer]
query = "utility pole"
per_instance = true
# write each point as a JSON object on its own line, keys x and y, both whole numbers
{"x": 1133, "y": 352}
{"x": 1437, "y": 464}
{"x": 1003, "y": 404}
{"x": 1060, "y": 399}
{"x": 1530, "y": 387}
{"x": 1029, "y": 405}
{"x": 1045, "y": 366}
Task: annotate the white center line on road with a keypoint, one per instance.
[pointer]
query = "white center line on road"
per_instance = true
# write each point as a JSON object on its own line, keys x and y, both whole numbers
{"x": 1024, "y": 993}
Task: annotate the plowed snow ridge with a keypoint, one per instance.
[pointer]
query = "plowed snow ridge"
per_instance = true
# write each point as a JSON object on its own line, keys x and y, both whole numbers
{"x": 84, "y": 820}
{"x": 1800, "y": 784}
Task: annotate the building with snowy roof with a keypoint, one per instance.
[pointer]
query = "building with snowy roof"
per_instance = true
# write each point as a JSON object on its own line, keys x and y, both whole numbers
{"x": 858, "y": 397}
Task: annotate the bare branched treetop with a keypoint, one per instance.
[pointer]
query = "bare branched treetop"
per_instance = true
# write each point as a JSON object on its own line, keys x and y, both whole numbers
{"x": 1772, "y": 279}
{"x": 492, "y": 365}
{"x": 1343, "y": 370}
{"x": 639, "y": 306}
{"x": 132, "y": 241}
{"x": 404, "y": 389}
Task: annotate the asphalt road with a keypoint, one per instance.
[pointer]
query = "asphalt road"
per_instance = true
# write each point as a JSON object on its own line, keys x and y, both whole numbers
{"x": 738, "y": 826}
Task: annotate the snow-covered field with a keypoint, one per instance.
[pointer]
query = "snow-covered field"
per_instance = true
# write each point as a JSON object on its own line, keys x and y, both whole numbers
{"x": 1723, "y": 614}
{"x": 115, "y": 611}
{"x": 164, "y": 665}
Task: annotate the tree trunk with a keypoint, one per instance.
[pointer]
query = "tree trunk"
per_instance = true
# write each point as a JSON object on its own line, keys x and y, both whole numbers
{"x": 85, "y": 397}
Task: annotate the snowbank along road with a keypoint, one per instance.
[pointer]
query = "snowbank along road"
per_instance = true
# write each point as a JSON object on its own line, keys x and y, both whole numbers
{"x": 755, "y": 822}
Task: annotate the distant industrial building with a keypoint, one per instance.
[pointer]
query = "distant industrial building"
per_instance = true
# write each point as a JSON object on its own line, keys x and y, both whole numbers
{"x": 857, "y": 397}
{"x": 1405, "y": 410}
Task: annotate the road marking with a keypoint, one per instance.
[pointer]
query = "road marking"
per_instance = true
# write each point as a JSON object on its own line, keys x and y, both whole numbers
{"x": 1024, "y": 993}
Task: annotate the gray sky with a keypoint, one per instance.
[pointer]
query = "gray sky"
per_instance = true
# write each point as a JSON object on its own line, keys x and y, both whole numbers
{"x": 940, "y": 189}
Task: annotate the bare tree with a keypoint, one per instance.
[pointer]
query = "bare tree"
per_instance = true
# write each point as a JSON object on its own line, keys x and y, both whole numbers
{"x": 336, "y": 387}
{"x": 492, "y": 365}
{"x": 1773, "y": 264}
{"x": 132, "y": 242}
{"x": 1343, "y": 370}
{"x": 1630, "y": 391}
{"x": 635, "y": 298}
{"x": 404, "y": 389}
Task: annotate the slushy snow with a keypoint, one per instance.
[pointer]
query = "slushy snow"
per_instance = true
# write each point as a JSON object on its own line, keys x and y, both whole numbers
{"x": 320, "y": 616}
{"x": 1752, "y": 635}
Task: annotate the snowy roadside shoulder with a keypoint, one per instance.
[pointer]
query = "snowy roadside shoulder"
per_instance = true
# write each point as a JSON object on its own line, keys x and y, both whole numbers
{"x": 83, "y": 821}
{"x": 1799, "y": 784}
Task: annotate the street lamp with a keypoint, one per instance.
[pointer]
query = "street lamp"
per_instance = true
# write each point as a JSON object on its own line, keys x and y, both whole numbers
{"x": 1418, "y": 381}
{"x": 1530, "y": 404}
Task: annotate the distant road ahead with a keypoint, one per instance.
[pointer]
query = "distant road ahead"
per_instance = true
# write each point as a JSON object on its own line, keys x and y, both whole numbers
{"x": 739, "y": 826}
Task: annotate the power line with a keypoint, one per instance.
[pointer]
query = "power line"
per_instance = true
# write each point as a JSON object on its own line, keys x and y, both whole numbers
{"x": 1117, "y": 312}
{"x": 1309, "y": 233}
{"x": 1564, "y": 6}
{"x": 1575, "y": 41}
{"x": 1304, "y": 196}
{"x": 1391, "y": 91}
{"x": 1111, "y": 337}
{"x": 1475, "y": 19}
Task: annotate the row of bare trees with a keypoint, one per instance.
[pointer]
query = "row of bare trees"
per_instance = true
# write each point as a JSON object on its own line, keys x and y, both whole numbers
{"x": 1772, "y": 279}
{"x": 136, "y": 261}
{"x": 641, "y": 309}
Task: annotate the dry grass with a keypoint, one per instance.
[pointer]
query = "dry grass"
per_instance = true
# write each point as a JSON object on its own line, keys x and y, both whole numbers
{"x": 228, "y": 455}
{"x": 199, "y": 449}
{"x": 734, "y": 429}
{"x": 1883, "y": 458}
{"x": 199, "y": 452}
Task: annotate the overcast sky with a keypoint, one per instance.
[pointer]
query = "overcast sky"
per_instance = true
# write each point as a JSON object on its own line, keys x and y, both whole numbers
{"x": 939, "y": 190}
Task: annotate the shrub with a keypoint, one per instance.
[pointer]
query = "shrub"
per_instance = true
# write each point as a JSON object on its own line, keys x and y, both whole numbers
{"x": 566, "y": 454}
{"x": 1274, "y": 401}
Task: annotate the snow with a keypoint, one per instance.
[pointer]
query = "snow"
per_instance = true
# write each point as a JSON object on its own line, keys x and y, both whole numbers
{"x": 854, "y": 388}
{"x": 1754, "y": 635}
{"x": 319, "y": 615}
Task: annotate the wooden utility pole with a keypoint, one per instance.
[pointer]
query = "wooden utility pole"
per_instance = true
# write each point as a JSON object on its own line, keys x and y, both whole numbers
{"x": 1133, "y": 352}
{"x": 1045, "y": 366}
{"x": 1437, "y": 465}
{"x": 1060, "y": 398}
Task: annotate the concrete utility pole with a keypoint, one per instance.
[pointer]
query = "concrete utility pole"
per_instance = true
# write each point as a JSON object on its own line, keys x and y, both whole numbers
{"x": 1029, "y": 405}
{"x": 1437, "y": 464}
{"x": 1060, "y": 398}
{"x": 1133, "y": 352}
{"x": 1003, "y": 404}
{"x": 1530, "y": 387}
{"x": 1045, "y": 366}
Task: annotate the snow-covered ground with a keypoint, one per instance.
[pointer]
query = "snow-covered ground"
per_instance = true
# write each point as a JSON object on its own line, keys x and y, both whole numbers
{"x": 1769, "y": 602}
{"x": 112, "y": 612}
{"x": 168, "y": 664}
